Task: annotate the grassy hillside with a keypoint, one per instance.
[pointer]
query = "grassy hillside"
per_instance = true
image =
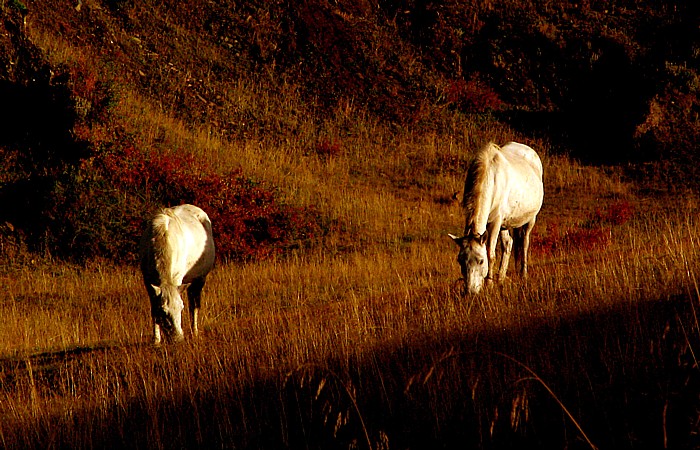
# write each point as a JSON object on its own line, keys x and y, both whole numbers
{"x": 329, "y": 141}
{"x": 232, "y": 88}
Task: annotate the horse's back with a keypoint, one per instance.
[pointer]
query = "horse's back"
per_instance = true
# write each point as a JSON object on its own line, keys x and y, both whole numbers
{"x": 521, "y": 184}
{"x": 515, "y": 151}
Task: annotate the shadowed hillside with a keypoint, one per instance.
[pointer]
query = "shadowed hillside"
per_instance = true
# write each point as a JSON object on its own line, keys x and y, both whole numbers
{"x": 604, "y": 83}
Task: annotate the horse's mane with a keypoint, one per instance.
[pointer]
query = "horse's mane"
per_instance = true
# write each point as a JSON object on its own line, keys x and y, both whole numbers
{"x": 475, "y": 181}
{"x": 162, "y": 252}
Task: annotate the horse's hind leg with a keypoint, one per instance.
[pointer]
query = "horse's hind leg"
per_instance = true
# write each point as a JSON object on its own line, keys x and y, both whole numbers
{"x": 194, "y": 296}
{"x": 518, "y": 235}
{"x": 522, "y": 246}
{"x": 506, "y": 248}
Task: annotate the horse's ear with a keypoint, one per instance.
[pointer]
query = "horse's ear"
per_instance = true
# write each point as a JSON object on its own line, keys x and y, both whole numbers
{"x": 483, "y": 239}
{"x": 458, "y": 240}
{"x": 156, "y": 289}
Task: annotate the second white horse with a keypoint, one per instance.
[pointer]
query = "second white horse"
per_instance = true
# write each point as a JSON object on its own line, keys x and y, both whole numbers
{"x": 177, "y": 251}
{"x": 503, "y": 194}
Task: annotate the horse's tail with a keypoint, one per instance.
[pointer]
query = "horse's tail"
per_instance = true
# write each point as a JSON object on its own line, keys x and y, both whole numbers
{"x": 162, "y": 250}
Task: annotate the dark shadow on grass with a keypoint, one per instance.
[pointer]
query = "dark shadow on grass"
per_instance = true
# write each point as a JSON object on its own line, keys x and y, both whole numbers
{"x": 42, "y": 365}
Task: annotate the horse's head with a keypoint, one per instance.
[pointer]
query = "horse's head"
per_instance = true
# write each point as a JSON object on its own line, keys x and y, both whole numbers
{"x": 473, "y": 260}
{"x": 167, "y": 309}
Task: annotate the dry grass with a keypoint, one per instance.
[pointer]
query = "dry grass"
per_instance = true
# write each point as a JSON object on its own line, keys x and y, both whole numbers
{"x": 327, "y": 333}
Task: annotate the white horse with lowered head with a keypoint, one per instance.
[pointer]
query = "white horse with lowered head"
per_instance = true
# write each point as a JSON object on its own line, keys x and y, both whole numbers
{"x": 177, "y": 252}
{"x": 503, "y": 194}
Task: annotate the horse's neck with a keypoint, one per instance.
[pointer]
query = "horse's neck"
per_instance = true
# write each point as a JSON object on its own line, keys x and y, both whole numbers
{"x": 481, "y": 216}
{"x": 478, "y": 218}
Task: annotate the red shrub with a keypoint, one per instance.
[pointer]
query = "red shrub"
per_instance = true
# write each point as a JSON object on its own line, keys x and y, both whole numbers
{"x": 473, "y": 96}
{"x": 249, "y": 220}
{"x": 617, "y": 213}
{"x": 576, "y": 237}
{"x": 594, "y": 232}
{"x": 328, "y": 148}
{"x": 92, "y": 96}
{"x": 102, "y": 208}
{"x": 587, "y": 238}
{"x": 548, "y": 243}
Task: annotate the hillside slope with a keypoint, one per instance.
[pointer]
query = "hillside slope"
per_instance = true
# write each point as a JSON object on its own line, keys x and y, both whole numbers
{"x": 90, "y": 83}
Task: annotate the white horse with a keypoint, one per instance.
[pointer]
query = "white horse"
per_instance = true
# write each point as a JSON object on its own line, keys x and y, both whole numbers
{"x": 503, "y": 193}
{"x": 177, "y": 251}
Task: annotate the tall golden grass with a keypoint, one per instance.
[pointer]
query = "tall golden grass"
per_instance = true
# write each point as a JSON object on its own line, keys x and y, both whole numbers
{"x": 330, "y": 328}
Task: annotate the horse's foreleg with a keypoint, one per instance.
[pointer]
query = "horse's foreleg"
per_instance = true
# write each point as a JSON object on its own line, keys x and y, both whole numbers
{"x": 154, "y": 313}
{"x": 506, "y": 248}
{"x": 493, "y": 233}
{"x": 194, "y": 296}
{"x": 156, "y": 333}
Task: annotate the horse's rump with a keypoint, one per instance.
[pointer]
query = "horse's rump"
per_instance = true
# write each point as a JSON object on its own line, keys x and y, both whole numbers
{"x": 177, "y": 245}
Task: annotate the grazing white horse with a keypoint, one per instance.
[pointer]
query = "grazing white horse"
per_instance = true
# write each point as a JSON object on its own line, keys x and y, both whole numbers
{"x": 177, "y": 251}
{"x": 503, "y": 193}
